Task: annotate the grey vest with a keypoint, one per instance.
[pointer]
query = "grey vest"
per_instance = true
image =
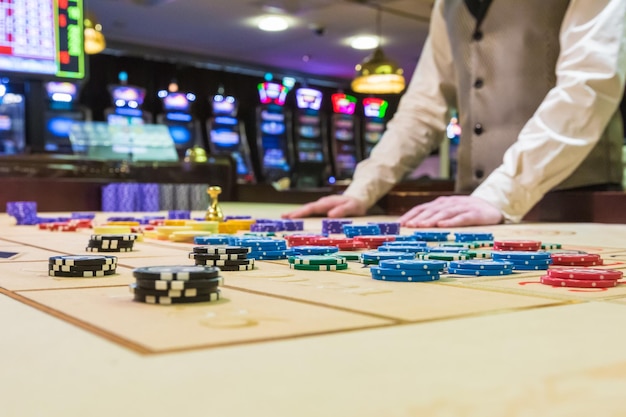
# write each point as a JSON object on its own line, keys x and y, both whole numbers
{"x": 513, "y": 59}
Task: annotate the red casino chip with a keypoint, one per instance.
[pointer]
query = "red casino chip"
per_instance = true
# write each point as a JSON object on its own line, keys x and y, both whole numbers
{"x": 517, "y": 245}
{"x": 576, "y": 259}
{"x": 374, "y": 241}
{"x": 586, "y": 274}
{"x": 333, "y": 241}
{"x": 302, "y": 240}
{"x": 356, "y": 245}
{"x": 577, "y": 283}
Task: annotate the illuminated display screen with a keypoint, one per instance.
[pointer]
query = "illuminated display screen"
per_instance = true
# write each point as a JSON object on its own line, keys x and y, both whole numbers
{"x": 308, "y": 98}
{"x": 176, "y": 101}
{"x": 272, "y": 93}
{"x": 343, "y": 103}
{"x": 180, "y": 134}
{"x": 42, "y": 37}
{"x": 127, "y": 96}
{"x": 375, "y": 107}
{"x": 61, "y": 91}
{"x": 226, "y": 105}
{"x": 225, "y": 138}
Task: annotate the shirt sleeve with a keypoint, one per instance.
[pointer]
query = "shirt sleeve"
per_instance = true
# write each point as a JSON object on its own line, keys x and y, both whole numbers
{"x": 590, "y": 75}
{"x": 419, "y": 123}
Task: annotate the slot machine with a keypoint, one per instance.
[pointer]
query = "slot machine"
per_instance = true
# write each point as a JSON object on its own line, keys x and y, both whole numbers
{"x": 374, "y": 111}
{"x": 182, "y": 125}
{"x": 344, "y": 133}
{"x": 274, "y": 142}
{"x": 127, "y": 102}
{"x": 12, "y": 119}
{"x": 227, "y": 136}
{"x": 312, "y": 168}
{"x": 62, "y": 111}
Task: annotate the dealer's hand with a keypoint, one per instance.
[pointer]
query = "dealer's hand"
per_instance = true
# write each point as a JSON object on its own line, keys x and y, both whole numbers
{"x": 452, "y": 211}
{"x": 334, "y": 206}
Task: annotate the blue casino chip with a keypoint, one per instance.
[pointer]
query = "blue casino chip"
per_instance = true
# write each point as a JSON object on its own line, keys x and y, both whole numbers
{"x": 314, "y": 250}
{"x": 479, "y": 272}
{"x": 413, "y": 265}
{"x": 470, "y": 237}
{"x": 431, "y": 236}
{"x": 520, "y": 255}
{"x": 480, "y": 264}
{"x": 385, "y": 274}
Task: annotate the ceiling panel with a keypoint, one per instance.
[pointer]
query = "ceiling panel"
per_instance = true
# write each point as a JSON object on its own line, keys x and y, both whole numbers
{"x": 223, "y": 32}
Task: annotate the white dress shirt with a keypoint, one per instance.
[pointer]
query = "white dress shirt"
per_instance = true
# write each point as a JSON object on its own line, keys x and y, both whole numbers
{"x": 552, "y": 142}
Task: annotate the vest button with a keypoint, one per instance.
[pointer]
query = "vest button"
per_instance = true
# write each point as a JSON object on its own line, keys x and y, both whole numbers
{"x": 478, "y": 35}
{"x": 479, "y": 173}
{"x": 478, "y": 128}
{"x": 478, "y": 83}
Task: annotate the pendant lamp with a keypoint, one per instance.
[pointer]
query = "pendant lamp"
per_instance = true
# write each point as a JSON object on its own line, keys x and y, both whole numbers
{"x": 94, "y": 39}
{"x": 378, "y": 74}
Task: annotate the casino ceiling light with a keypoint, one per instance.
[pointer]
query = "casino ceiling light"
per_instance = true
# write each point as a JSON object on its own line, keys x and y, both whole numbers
{"x": 364, "y": 42}
{"x": 378, "y": 74}
{"x": 94, "y": 39}
{"x": 273, "y": 23}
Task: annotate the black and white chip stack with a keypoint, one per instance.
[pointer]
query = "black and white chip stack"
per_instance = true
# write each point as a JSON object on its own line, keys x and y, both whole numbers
{"x": 176, "y": 284}
{"x": 111, "y": 243}
{"x": 226, "y": 257}
{"x": 81, "y": 266}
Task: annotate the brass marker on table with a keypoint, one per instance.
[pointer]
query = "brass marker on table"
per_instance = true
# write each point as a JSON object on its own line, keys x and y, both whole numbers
{"x": 214, "y": 212}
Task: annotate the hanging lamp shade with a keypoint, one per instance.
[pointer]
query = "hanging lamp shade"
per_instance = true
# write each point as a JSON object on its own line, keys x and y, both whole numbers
{"x": 377, "y": 74}
{"x": 94, "y": 39}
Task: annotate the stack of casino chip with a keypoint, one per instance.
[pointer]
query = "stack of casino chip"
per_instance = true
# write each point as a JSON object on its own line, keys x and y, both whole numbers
{"x": 388, "y": 228}
{"x": 373, "y": 257}
{"x": 480, "y": 267}
{"x": 411, "y": 247}
{"x": 517, "y": 245}
{"x": 445, "y": 253}
{"x": 81, "y": 266}
{"x": 269, "y": 225}
{"x": 582, "y": 277}
{"x": 176, "y": 284}
{"x": 302, "y": 239}
{"x": 374, "y": 241}
{"x": 342, "y": 243}
{"x": 334, "y": 226}
{"x": 352, "y": 230}
{"x": 24, "y": 212}
{"x": 225, "y": 257}
{"x": 524, "y": 260}
{"x": 213, "y": 240}
{"x": 408, "y": 270}
{"x": 111, "y": 243}
{"x": 314, "y": 250}
{"x": 431, "y": 236}
{"x": 472, "y": 237}
{"x": 263, "y": 249}
{"x": 318, "y": 262}
{"x": 576, "y": 259}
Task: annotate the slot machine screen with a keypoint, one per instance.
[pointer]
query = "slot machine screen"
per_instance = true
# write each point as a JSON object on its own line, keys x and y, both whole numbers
{"x": 176, "y": 102}
{"x": 5, "y": 123}
{"x": 54, "y": 45}
{"x": 225, "y": 133}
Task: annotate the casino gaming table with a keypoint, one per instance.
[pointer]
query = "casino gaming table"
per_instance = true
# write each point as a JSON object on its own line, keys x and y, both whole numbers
{"x": 283, "y": 342}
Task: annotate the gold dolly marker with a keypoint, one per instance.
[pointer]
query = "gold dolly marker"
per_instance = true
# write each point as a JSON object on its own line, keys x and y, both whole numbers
{"x": 214, "y": 212}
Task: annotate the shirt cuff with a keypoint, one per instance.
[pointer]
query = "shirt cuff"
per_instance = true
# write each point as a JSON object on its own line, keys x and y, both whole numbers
{"x": 511, "y": 198}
